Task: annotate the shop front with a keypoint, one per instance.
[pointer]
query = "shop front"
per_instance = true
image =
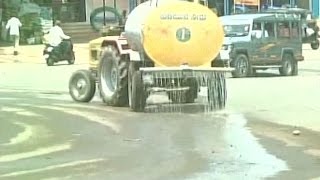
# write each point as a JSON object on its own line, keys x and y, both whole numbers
{"x": 250, "y": 6}
{"x": 35, "y": 18}
{"x": 119, "y": 5}
{"x": 69, "y": 10}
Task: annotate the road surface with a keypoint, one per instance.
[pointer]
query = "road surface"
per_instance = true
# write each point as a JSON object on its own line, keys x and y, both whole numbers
{"x": 45, "y": 135}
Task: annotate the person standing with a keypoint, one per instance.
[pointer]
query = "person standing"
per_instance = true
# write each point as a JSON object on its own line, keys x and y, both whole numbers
{"x": 13, "y": 25}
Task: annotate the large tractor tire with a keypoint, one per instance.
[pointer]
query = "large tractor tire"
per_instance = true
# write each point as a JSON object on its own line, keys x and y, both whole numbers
{"x": 241, "y": 65}
{"x": 113, "y": 77}
{"x": 82, "y": 86}
{"x": 138, "y": 94}
{"x": 217, "y": 92}
{"x": 289, "y": 65}
{"x": 136, "y": 89}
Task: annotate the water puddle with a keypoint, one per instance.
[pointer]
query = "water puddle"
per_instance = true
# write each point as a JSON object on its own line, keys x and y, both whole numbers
{"x": 243, "y": 156}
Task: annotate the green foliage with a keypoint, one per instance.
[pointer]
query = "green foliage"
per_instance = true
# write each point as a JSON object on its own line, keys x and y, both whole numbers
{"x": 31, "y": 26}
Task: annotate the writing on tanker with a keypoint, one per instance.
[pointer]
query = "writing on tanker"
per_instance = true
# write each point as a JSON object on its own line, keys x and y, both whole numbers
{"x": 193, "y": 17}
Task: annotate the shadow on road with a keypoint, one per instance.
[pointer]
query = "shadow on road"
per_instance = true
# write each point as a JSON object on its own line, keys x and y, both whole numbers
{"x": 185, "y": 108}
{"x": 267, "y": 75}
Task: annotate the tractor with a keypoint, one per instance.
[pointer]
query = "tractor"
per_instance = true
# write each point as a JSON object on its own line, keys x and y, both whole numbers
{"x": 165, "y": 46}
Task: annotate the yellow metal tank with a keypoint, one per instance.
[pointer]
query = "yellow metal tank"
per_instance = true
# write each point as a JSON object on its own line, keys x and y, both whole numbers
{"x": 175, "y": 33}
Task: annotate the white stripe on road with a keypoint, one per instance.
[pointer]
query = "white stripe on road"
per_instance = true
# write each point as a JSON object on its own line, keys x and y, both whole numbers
{"x": 70, "y": 164}
{"x": 21, "y": 137}
{"x": 59, "y": 97}
{"x": 38, "y": 152}
{"x": 19, "y": 111}
{"x": 27, "y": 113}
{"x": 10, "y": 109}
{"x": 89, "y": 116}
{"x": 8, "y": 98}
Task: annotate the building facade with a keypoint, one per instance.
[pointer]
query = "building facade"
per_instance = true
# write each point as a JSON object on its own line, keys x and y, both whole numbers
{"x": 80, "y": 10}
{"x": 234, "y": 6}
{"x": 91, "y": 5}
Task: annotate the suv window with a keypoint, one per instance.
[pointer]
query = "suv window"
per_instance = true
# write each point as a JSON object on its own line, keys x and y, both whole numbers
{"x": 269, "y": 30}
{"x": 236, "y": 30}
{"x": 283, "y": 30}
{"x": 295, "y": 30}
{"x": 257, "y": 29}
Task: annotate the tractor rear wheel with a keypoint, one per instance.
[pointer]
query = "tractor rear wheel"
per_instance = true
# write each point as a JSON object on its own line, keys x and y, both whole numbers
{"x": 113, "y": 77}
{"x": 137, "y": 92}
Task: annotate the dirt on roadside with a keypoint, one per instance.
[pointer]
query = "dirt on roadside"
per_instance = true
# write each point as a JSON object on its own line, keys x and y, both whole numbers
{"x": 301, "y": 152}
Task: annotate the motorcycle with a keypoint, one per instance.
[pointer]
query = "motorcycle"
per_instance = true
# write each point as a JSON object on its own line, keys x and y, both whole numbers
{"x": 54, "y": 54}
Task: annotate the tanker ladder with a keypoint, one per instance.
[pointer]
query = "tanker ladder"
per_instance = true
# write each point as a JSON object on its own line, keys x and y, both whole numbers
{"x": 182, "y": 85}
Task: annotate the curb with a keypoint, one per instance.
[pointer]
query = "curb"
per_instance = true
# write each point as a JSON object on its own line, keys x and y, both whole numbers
{"x": 33, "y": 54}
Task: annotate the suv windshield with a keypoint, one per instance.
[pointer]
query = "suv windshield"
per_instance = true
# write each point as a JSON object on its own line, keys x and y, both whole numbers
{"x": 236, "y": 30}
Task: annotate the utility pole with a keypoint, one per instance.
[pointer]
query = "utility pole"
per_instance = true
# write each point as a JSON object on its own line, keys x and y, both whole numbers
{"x": 104, "y": 12}
{"x": 226, "y": 7}
{"x": 115, "y": 4}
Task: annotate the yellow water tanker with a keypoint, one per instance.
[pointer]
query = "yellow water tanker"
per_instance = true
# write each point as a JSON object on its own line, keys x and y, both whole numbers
{"x": 174, "y": 32}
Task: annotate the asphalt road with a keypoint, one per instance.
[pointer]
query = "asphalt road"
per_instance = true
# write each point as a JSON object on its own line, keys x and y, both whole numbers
{"x": 45, "y": 135}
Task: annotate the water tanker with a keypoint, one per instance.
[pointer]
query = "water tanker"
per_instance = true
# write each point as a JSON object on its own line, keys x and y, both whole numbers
{"x": 172, "y": 33}
{"x": 167, "y": 46}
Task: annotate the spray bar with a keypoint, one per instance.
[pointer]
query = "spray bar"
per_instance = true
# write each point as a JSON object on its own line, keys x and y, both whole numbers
{"x": 186, "y": 68}
{"x": 159, "y": 89}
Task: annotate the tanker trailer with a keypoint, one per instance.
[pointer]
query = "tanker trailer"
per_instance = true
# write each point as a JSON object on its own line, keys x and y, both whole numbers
{"x": 168, "y": 46}
{"x": 177, "y": 42}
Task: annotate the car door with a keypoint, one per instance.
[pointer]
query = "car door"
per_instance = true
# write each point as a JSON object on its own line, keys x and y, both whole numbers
{"x": 269, "y": 49}
{"x": 256, "y": 43}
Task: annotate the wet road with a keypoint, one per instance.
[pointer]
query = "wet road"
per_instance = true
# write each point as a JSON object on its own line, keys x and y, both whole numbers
{"x": 45, "y": 135}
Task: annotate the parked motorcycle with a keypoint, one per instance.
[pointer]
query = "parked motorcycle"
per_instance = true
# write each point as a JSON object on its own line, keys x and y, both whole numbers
{"x": 54, "y": 54}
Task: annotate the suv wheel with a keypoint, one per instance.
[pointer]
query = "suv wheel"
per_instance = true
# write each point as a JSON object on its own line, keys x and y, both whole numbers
{"x": 241, "y": 65}
{"x": 289, "y": 67}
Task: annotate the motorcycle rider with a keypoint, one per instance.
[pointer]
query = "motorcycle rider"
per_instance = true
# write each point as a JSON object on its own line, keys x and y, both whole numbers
{"x": 56, "y": 37}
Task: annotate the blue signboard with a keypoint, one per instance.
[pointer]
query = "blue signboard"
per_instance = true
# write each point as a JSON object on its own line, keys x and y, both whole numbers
{"x": 315, "y": 8}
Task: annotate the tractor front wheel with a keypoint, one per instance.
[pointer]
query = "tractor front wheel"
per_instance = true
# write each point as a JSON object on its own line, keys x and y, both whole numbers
{"x": 82, "y": 86}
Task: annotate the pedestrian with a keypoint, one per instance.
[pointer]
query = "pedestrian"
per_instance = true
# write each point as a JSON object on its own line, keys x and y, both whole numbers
{"x": 13, "y": 25}
{"x": 124, "y": 17}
